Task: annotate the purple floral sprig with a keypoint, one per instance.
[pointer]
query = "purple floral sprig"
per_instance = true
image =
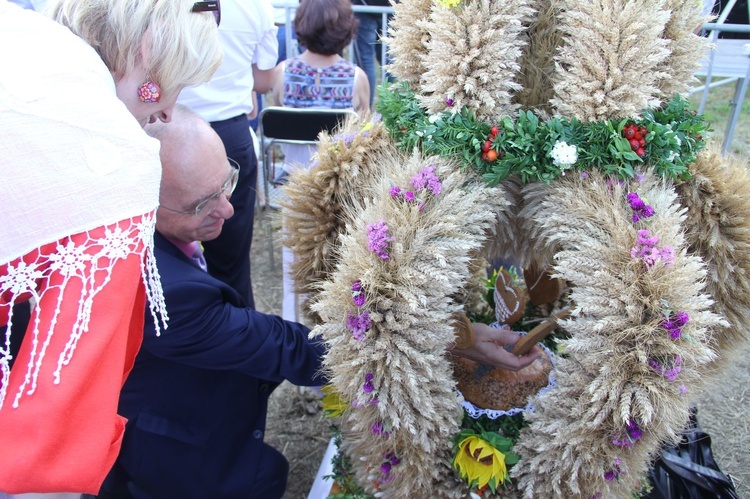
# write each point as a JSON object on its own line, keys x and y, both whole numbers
{"x": 640, "y": 208}
{"x": 647, "y": 250}
{"x": 390, "y": 460}
{"x": 397, "y": 193}
{"x": 358, "y": 295}
{"x": 669, "y": 370}
{"x": 632, "y": 434}
{"x": 369, "y": 389}
{"x": 615, "y": 472}
{"x": 426, "y": 179}
{"x": 348, "y": 138}
{"x": 381, "y": 429}
{"x": 673, "y": 323}
{"x": 378, "y": 239}
{"x": 358, "y": 324}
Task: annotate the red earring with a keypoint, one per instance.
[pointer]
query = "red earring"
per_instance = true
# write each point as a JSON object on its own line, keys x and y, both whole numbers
{"x": 149, "y": 91}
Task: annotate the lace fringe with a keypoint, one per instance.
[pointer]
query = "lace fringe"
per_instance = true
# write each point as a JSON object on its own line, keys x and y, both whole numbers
{"x": 85, "y": 261}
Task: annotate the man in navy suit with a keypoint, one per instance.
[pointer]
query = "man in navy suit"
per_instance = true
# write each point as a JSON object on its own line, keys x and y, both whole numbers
{"x": 197, "y": 396}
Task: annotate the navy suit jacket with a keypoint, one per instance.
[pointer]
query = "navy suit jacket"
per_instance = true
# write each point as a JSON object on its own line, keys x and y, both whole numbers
{"x": 197, "y": 396}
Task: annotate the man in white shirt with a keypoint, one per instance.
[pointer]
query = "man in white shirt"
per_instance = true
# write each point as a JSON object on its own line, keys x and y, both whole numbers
{"x": 248, "y": 37}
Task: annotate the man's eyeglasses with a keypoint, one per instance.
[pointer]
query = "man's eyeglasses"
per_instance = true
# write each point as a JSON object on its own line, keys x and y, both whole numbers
{"x": 208, "y": 202}
{"x": 212, "y": 7}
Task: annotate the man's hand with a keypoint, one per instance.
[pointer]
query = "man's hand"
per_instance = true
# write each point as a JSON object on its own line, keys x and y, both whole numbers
{"x": 488, "y": 348}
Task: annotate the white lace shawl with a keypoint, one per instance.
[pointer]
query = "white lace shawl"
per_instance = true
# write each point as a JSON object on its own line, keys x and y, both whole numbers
{"x": 72, "y": 158}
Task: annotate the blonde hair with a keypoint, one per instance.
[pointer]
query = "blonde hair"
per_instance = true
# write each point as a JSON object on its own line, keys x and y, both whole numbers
{"x": 182, "y": 47}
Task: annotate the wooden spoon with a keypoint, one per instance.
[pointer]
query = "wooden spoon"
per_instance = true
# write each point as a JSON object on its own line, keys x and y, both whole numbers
{"x": 527, "y": 341}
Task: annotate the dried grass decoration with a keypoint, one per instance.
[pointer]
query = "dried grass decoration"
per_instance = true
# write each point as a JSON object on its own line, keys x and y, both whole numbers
{"x": 597, "y": 167}
{"x": 386, "y": 310}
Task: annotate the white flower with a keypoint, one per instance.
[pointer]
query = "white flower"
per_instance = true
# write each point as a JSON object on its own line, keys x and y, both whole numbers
{"x": 433, "y": 118}
{"x": 564, "y": 155}
{"x": 672, "y": 156}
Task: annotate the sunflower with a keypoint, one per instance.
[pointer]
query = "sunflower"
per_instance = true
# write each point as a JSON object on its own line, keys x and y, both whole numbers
{"x": 333, "y": 403}
{"x": 482, "y": 459}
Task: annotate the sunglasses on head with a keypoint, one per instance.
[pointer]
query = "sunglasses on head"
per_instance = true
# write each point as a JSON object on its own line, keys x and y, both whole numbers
{"x": 213, "y": 7}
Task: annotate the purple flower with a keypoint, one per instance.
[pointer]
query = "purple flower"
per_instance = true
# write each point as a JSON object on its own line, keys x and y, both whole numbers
{"x": 409, "y": 196}
{"x": 378, "y": 428}
{"x": 683, "y": 389}
{"x": 449, "y": 102}
{"x": 674, "y": 324}
{"x": 348, "y": 138}
{"x": 389, "y": 461}
{"x": 681, "y": 318}
{"x": 378, "y": 239}
{"x": 634, "y": 431}
{"x": 670, "y": 372}
{"x": 640, "y": 208}
{"x": 666, "y": 253}
{"x": 648, "y": 252}
{"x": 639, "y": 177}
{"x": 635, "y": 201}
{"x": 584, "y": 175}
{"x": 395, "y": 192}
{"x": 614, "y": 472}
{"x": 367, "y": 386}
{"x": 359, "y": 299}
{"x": 644, "y": 239}
{"x": 358, "y": 324}
{"x": 426, "y": 178}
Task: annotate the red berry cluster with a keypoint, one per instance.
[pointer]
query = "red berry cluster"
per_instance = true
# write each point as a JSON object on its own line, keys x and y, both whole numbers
{"x": 488, "y": 153}
{"x": 636, "y": 135}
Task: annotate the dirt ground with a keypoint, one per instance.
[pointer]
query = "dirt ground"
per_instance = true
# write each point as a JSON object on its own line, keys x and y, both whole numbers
{"x": 298, "y": 429}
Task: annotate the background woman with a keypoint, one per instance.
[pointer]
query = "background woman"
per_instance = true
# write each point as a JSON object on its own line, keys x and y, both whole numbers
{"x": 80, "y": 188}
{"x": 319, "y": 76}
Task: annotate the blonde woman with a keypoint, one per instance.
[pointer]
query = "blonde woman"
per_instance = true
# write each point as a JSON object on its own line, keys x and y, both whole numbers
{"x": 80, "y": 188}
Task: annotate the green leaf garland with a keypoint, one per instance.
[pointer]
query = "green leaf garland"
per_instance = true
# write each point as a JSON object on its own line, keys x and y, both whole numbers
{"x": 673, "y": 139}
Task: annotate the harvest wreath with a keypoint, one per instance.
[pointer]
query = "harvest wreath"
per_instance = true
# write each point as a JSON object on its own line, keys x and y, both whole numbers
{"x": 390, "y": 228}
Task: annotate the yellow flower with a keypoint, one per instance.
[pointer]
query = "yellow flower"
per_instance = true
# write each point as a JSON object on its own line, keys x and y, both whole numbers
{"x": 333, "y": 404}
{"x": 449, "y": 3}
{"x": 368, "y": 126}
{"x": 480, "y": 463}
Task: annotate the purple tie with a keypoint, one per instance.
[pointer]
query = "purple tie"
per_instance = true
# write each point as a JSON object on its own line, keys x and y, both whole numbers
{"x": 198, "y": 256}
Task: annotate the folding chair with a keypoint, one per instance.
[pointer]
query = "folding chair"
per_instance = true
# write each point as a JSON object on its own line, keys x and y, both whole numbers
{"x": 289, "y": 125}
{"x": 285, "y": 125}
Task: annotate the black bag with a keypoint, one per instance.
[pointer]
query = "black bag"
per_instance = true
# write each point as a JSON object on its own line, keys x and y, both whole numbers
{"x": 688, "y": 470}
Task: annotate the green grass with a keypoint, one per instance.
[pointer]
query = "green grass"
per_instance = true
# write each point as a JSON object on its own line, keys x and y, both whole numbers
{"x": 717, "y": 114}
